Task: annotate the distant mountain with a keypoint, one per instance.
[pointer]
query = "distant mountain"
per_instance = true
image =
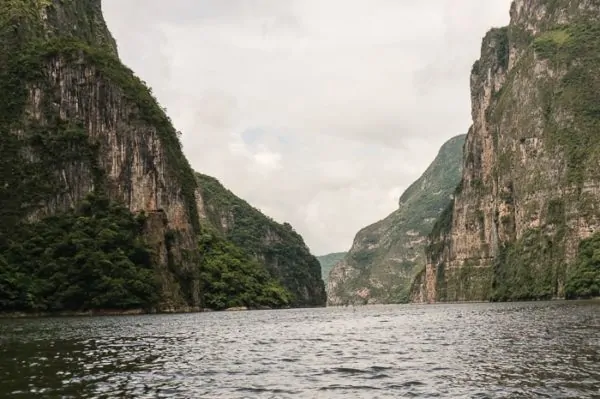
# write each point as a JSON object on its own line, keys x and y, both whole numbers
{"x": 385, "y": 256}
{"x": 328, "y": 261}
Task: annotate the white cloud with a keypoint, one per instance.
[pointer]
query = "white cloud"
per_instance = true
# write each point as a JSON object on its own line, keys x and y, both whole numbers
{"x": 318, "y": 112}
{"x": 267, "y": 159}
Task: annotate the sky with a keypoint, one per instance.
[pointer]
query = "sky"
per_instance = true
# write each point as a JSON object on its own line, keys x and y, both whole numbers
{"x": 320, "y": 113}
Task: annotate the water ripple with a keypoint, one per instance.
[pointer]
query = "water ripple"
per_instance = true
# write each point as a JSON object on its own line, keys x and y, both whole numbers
{"x": 517, "y": 350}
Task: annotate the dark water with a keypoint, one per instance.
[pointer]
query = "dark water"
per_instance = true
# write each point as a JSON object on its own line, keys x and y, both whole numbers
{"x": 452, "y": 351}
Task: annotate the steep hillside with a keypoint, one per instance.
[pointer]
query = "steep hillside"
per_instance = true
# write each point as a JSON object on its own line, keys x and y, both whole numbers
{"x": 75, "y": 121}
{"x": 328, "y": 261}
{"x": 530, "y": 188}
{"x": 385, "y": 256}
{"x": 276, "y": 246}
{"x": 98, "y": 204}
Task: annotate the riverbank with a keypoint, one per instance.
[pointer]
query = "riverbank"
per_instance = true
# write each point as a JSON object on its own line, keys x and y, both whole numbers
{"x": 98, "y": 313}
{"x": 139, "y": 312}
{"x": 467, "y": 302}
{"x": 120, "y": 312}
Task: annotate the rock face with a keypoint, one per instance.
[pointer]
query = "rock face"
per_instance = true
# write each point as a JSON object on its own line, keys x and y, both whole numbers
{"x": 531, "y": 177}
{"x": 277, "y": 246}
{"x": 328, "y": 262}
{"x": 25, "y": 20}
{"x": 385, "y": 256}
{"x": 75, "y": 120}
{"x": 76, "y": 124}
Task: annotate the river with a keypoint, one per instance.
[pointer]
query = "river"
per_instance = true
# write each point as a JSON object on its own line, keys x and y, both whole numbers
{"x": 521, "y": 350}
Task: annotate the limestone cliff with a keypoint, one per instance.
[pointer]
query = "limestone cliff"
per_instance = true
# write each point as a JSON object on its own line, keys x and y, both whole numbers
{"x": 98, "y": 204}
{"x": 385, "y": 256}
{"x": 276, "y": 246}
{"x": 531, "y": 176}
{"x": 75, "y": 120}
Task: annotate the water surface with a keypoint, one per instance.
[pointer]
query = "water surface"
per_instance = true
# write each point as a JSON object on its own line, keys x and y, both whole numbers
{"x": 520, "y": 350}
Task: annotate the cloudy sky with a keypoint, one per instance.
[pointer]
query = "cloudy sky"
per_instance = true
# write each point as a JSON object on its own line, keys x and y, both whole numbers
{"x": 317, "y": 112}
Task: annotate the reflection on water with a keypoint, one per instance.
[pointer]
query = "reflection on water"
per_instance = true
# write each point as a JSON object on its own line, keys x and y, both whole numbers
{"x": 470, "y": 350}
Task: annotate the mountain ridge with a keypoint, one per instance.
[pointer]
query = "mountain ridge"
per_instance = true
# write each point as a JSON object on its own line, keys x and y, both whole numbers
{"x": 385, "y": 255}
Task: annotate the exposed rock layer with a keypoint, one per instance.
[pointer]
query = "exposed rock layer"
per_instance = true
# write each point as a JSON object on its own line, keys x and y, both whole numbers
{"x": 75, "y": 120}
{"x": 531, "y": 175}
{"x": 385, "y": 256}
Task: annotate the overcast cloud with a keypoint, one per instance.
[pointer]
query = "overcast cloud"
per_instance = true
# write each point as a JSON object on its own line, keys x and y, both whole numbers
{"x": 317, "y": 112}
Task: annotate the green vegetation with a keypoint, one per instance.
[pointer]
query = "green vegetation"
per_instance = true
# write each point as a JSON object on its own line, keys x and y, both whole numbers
{"x": 501, "y": 40}
{"x": 38, "y": 155}
{"x": 464, "y": 283}
{"x": 29, "y": 10}
{"x": 328, "y": 261}
{"x": 534, "y": 266}
{"x": 429, "y": 195}
{"x": 519, "y": 37}
{"x": 93, "y": 257}
{"x": 19, "y": 20}
{"x": 134, "y": 90}
{"x": 498, "y": 40}
{"x": 584, "y": 278}
{"x": 550, "y": 97}
{"x": 475, "y": 69}
{"x": 276, "y": 246}
{"x": 24, "y": 21}
{"x": 28, "y": 183}
{"x": 441, "y": 281}
{"x": 549, "y": 44}
{"x": 576, "y": 49}
{"x": 230, "y": 278}
{"x": 28, "y": 68}
{"x": 436, "y": 239}
{"x": 531, "y": 268}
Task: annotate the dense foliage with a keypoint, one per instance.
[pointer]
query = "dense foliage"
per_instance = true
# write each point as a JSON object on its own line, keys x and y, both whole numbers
{"x": 277, "y": 247}
{"x": 230, "y": 278}
{"x": 73, "y": 33}
{"x": 23, "y": 21}
{"x": 530, "y": 268}
{"x": 584, "y": 279}
{"x": 93, "y": 257}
